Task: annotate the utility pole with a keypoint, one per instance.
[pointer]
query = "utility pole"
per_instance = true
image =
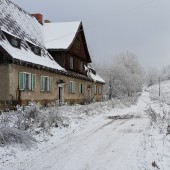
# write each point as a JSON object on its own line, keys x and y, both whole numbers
{"x": 159, "y": 87}
{"x": 110, "y": 90}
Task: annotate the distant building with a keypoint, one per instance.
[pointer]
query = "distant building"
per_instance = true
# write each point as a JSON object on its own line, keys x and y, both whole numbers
{"x": 44, "y": 62}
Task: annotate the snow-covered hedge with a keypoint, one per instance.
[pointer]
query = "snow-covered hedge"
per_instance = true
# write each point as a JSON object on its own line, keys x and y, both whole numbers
{"x": 10, "y": 136}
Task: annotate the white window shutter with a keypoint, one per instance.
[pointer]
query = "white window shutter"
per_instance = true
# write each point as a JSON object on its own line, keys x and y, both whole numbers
{"x": 80, "y": 88}
{"x": 51, "y": 84}
{"x": 74, "y": 87}
{"x": 21, "y": 81}
{"x": 48, "y": 84}
{"x": 42, "y": 83}
{"x": 29, "y": 81}
{"x": 69, "y": 87}
{"x": 33, "y": 82}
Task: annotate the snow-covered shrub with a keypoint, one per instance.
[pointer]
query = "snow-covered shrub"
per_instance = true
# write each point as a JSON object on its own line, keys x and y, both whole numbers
{"x": 159, "y": 118}
{"x": 34, "y": 116}
{"x": 32, "y": 110}
{"x": 4, "y": 119}
{"x": 9, "y": 136}
{"x": 51, "y": 118}
{"x": 26, "y": 116}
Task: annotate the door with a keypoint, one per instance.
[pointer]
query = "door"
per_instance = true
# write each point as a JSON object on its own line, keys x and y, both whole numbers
{"x": 61, "y": 94}
{"x": 89, "y": 95}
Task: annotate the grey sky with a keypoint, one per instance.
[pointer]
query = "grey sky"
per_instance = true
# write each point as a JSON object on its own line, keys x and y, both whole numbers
{"x": 113, "y": 26}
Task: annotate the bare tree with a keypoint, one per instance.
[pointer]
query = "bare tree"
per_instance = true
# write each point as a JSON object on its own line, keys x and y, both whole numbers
{"x": 124, "y": 76}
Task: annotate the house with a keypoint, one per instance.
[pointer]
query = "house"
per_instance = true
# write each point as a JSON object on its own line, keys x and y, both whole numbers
{"x": 44, "y": 62}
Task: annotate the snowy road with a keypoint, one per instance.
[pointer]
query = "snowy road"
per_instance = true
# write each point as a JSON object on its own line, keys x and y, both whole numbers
{"x": 105, "y": 144}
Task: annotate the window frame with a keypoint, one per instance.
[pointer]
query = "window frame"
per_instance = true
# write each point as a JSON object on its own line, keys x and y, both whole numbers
{"x": 29, "y": 83}
{"x": 26, "y": 83}
{"x": 13, "y": 42}
{"x": 37, "y": 50}
{"x": 72, "y": 87}
{"x": 71, "y": 63}
{"x": 100, "y": 90}
{"x": 81, "y": 88}
{"x": 46, "y": 83}
{"x": 78, "y": 44}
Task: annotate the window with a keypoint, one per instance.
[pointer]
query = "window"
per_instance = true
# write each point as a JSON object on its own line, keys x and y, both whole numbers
{"x": 2, "y": 35}
{"x": 37, "y": 50}
{"x": 46, "y": 83}
{"x": 71, "y": 62}
{"x": 81, "y": 66}
{"x": 100, "y": 90}
{"x": 78, "y": 43}
{"x": 93, "y": 71}
{"x": 95, "y": 89}
{"x": 15, "y": 42}
{"x": 72, "y": 87}
{"x": 81, "y": 88}
{"x": 27, "y": 81}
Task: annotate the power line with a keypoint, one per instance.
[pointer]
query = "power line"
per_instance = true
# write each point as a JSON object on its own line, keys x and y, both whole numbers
{"x": 64, "y": 36}
{"x": 130, "y": 10}
{"x": 143, "y": 4}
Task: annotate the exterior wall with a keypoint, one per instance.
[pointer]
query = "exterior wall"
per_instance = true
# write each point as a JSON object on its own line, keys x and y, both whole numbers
{"x": 4, "y": 86}
{"x": 26, "y": 96}
{"x": 98, "y": 97}
{"x": 46, "y": 97}
{"x": 4, "y": 82}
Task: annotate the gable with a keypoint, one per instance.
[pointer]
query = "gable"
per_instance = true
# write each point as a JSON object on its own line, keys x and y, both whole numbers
{"x": 78, "y": 47}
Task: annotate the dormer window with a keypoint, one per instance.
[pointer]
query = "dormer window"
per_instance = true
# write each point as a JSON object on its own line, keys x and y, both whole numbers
{"x": 15, "y": 42}
{"x": 2, "y": 35}
{"x": 37, "y": 51}
{"x": 93, "y": 71}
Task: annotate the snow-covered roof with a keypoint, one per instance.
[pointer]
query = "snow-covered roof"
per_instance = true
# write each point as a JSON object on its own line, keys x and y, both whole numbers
{"x": 95, "y": 77}
{"x": 28, "y": 56}
{"x": 20, "y": 24}
{"x": 91, "y": 72}
{"x": 60, "y": 35}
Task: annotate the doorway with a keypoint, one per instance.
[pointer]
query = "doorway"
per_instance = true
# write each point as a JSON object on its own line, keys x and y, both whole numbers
{"x": 61, "y": 94}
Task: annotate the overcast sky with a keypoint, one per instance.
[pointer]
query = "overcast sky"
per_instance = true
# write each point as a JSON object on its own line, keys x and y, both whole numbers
{"x": 113, "y": 26}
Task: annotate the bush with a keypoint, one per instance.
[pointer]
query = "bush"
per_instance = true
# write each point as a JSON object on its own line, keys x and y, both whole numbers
{"x": 10, "y": 136}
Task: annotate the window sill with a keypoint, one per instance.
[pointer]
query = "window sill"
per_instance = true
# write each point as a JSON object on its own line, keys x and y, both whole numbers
{"x": 27, "y": 90}
{"x": 46, "y": 91}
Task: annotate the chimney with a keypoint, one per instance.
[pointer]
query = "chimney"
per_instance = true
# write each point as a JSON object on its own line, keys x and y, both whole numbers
{"x": 47, "y": 21}
{"x": 39, "y": 17}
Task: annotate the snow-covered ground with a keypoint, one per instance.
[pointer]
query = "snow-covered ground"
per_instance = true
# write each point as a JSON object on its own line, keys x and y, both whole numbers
{"x": 127, "y": 138}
